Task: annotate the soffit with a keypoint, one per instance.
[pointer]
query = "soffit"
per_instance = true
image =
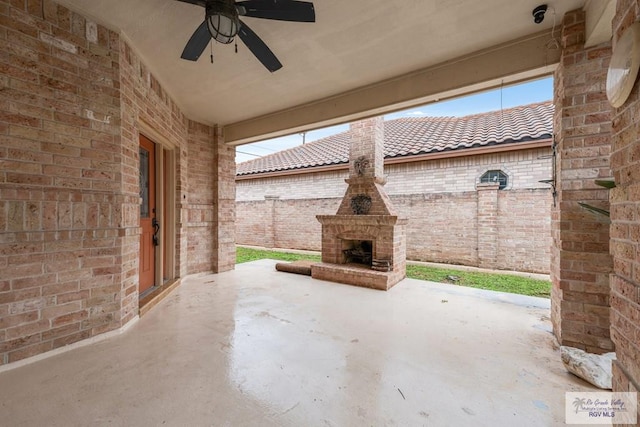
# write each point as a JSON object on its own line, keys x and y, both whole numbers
{"x": 353, "y": 44}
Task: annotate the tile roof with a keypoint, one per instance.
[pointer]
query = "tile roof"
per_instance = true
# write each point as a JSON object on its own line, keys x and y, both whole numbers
{"x": 422, "y": 135}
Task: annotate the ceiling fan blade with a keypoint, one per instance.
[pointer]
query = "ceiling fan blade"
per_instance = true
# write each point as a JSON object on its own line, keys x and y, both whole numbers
{"x": 202, "y": 3}
{"x": 197, "y": 43}
{"x": 281, "y": 10}
{"x": 258, "y": 48}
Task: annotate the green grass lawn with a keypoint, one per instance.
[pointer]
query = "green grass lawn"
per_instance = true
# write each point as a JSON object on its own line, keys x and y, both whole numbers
{"x": 493, "y": 282}
{"x": 248, "y": 254}
{"x": 489, "y": 281}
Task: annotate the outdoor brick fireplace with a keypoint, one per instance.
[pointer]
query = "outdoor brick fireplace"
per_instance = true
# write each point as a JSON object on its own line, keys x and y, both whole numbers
{"x": 364, "y": 244}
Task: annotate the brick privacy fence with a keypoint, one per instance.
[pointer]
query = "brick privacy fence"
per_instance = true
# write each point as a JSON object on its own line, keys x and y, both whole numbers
{"x": 443, "y": 227}
{"x": 450, "y": 220}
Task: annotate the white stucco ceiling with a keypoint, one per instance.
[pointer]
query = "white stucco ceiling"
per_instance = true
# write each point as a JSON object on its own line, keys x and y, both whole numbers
{"x": 354, "y": 43}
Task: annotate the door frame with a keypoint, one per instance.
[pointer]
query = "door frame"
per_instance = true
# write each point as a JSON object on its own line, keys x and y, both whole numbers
{"x": 165, "y": 174}
{"x": 166, "y": 191}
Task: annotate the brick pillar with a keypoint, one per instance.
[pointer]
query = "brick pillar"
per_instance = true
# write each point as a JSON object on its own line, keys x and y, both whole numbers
{"x": 487, "y": 224}
{"x": 270, "y": 221}
{"x": 580, "y": 261}
{"x": 225, "y": 204}
{"x": 625, "y": 228}
{"x": 367, "y": 140}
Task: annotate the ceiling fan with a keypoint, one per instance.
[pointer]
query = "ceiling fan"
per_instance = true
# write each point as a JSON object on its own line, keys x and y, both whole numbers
{"x": 222, "y": 23}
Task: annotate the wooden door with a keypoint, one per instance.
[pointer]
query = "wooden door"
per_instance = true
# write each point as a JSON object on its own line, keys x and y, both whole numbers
{"x": 148, "y": 236}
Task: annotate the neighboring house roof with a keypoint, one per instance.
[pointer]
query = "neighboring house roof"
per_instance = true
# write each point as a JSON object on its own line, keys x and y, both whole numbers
{"x": 406, "y": 137}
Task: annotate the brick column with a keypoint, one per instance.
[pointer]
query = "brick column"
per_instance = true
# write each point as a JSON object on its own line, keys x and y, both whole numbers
{"x": 625, "y": 228}
{"x": 270, "y": 221}
{"x": 487, "y": 224}
{"x": 225, "y": 204}
{"x": 580, "y": 260}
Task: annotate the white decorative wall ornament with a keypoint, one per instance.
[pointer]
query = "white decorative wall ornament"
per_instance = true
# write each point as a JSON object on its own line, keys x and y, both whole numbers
{"x": 623, "y": 68}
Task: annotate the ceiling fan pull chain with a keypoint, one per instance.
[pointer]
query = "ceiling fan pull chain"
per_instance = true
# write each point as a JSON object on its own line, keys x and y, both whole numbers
{"x": 211, "y": 44}
{"x": 236, "y": 45}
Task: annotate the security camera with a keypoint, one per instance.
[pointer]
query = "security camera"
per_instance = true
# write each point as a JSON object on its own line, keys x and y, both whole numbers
{"x": 538, "y": 13}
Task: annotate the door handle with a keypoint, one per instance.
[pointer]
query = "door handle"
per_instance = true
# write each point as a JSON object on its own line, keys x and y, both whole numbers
{"x": 156, "y": 229}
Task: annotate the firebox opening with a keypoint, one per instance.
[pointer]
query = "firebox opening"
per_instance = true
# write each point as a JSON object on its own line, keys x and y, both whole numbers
{"x": 358, "y": 252}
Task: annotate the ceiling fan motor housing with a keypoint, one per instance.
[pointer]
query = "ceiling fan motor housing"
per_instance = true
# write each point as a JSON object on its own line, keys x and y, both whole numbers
{"x": 222, "y": 20}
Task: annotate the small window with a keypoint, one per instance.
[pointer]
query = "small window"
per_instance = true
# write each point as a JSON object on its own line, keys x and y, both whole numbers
{"x": 495, "y": 176}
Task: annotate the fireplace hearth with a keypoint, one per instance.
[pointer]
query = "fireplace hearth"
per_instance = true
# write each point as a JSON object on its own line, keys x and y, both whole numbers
{"x": 364, "y": 244}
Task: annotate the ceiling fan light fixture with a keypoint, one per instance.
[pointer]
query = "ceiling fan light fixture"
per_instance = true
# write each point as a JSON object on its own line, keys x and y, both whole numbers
{"x": 222, "y": 20}
{"x": 222, "y": 23}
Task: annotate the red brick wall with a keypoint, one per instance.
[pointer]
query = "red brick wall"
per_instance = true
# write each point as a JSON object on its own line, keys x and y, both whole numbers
{"x": 443, "y": 227}
{"x": 625, "y": 227}
{"x": 580, "y": 261}
{"x": 73, "y": 96}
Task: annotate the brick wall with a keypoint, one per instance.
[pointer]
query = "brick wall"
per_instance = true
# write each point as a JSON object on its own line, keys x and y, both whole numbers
{"x": 581, "y": 262}
{"x": 625, "y": 227}
{"x": 443, "y": 224}
{"x": 487, "y": 220}
{"x": 454, "y": 175}
{"x": 63, "y": 244}
{"x": 442, "y": 227}
{"x": 224, "y": 238}
{"x": 205, "y": 170}
{"x": 142, "y": 100}
{"x": 524, "y": 168}
{"x": 302, "y": 186}
{"x": 210, "y": 201}
{"x": 200, "y": 198}
{"x": 521, "y": 215}
{"x": 296, "y": 224}
{"x": 73, "y": 96}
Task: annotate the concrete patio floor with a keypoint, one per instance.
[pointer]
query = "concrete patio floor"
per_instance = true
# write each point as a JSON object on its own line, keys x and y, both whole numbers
{"x": 256, "y": 347}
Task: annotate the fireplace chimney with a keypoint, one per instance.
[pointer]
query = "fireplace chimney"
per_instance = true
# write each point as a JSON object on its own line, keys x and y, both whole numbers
{"x": 367, "y": 141}
{"x": 366, "y": 171}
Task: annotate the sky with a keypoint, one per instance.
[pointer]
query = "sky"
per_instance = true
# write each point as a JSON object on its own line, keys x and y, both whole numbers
{"x": 492, "y": 100}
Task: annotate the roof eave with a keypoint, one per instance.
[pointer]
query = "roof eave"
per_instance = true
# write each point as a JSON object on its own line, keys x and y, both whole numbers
{"x": 539, "y": 143}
